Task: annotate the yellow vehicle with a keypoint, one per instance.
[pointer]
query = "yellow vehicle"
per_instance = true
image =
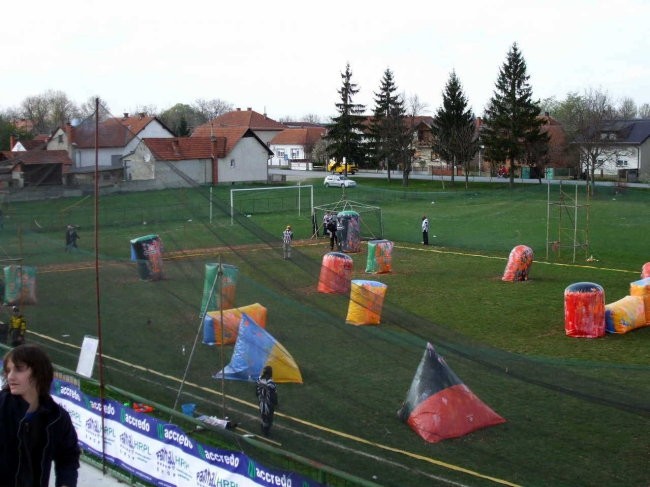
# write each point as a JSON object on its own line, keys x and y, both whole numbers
{"x": 335, "y": 166}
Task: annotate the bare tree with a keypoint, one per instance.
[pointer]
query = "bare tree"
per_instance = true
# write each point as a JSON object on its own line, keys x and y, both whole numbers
{"x": 87, "y": 108}
{"x": 588, "y": 123}
{"x": 415, "y": 106}
{"x": 644, "y": 111}
{"x": 627, "y": 109}
{"x": 146, "y": 110}
{"x": 36, "y": 109}
{"x": 212, "y": 108}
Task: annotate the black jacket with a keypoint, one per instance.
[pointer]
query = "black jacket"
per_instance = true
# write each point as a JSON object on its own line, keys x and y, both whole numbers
{"x": 57, "y": 437}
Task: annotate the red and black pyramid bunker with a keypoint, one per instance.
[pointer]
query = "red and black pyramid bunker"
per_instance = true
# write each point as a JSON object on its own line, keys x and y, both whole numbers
{"x": 439, "y": 406}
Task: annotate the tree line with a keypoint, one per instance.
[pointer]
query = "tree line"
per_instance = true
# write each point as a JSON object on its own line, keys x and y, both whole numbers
{"x": 510, "y": 128}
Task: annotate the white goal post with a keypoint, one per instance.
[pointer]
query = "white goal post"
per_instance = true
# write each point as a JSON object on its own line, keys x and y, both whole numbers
{"x": 299, "y": 187}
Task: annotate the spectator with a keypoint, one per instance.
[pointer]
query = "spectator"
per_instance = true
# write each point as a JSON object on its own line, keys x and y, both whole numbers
{"x": 35, "y": 431}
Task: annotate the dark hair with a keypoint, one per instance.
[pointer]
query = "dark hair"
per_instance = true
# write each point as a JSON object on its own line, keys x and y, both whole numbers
{"x": 267, "y": 372}
{"x": 36, "y": 359}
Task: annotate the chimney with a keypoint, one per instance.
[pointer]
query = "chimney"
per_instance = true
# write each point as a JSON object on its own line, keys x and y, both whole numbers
{"x": 12, "y": 141}
{"x": 141, "y": 115}
{"x": 238, "y": 109}
{"x": 249, "y": 109}
{"x": 68, "y": 135}
{"x": 126, "y": 115}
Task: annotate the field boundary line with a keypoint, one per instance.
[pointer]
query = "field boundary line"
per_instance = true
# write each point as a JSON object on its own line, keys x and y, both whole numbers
{"x": 331, "y": 431}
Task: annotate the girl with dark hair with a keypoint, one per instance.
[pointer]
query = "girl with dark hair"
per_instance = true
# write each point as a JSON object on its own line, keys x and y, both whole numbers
{"x": 267, "y": 396}
{"x": 34, "y": 430}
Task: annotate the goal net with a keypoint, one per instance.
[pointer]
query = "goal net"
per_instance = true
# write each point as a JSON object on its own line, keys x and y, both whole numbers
{"x": 370, "y": 218}
{"x": 297, "y": 199}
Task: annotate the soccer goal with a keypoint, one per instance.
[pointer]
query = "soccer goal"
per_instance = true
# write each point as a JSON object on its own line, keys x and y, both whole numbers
{"x": 370, "y": 217}
{"x": 274, "y": 199}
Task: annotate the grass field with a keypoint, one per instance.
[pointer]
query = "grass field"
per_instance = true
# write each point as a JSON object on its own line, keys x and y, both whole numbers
{"x": 577, "y": 410}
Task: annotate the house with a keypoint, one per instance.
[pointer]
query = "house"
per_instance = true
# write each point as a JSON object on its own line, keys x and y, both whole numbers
{"x": 264, "y": 127}
{"x": 420, "y": 127}
{"x": 294, "y": 146}
{"x": 231, "y": 155}
{"x": 116, "y": 137}
{"x": 38, "y": 142}
{"x": 622, "y": 148}
{"x": 35, "y": 167}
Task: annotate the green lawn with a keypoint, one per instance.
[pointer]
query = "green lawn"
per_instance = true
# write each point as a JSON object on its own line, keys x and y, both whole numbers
{"x": 576, "y": 409}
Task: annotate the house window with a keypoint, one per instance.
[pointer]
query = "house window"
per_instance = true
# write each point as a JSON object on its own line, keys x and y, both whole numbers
{"x": 232, "y": 163}
{"x": 295, "y": 153}
{"x": 281, "y": 153}
{"x": 621, "y": 163}
{"x": 59, "y": 139}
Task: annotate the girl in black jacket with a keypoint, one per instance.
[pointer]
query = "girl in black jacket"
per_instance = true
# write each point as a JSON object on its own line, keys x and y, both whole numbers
{"x": 34, "y": 430}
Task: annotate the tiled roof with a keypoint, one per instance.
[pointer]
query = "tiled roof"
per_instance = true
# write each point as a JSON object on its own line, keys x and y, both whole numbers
{"x": 42, "y": 157}
{"x": 33, "y": 144}
{"x": 113, "y": 132}
{"x": 299, "y": 136}
{"x": 186, "y": 148}
{"x": 238, "y": 118}
{"x": 200, "y": 147}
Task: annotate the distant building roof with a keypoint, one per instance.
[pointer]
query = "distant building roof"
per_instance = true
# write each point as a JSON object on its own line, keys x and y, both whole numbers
{"x": 299, "y": 136}
{"x": 238, "y": 118}
{"x": 186, "y": 148}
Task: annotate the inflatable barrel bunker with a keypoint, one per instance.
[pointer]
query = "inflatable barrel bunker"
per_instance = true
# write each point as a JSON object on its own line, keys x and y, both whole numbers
{"x": 630, "y": 312}
{"x": 147, "y": 253}
{"x": 366, "y": 302}
{"x": 212, "y": 327}
{"x": 379, "y": 256}
{"x": 584, "y": 310}
{"x": 642, "y": 288}
{"x": 519, "y": 262}
{"x": 349, "y": 234}
{"x": 219, "y": 295}
{"x": 20, "y": 285}
{"x": 335, "y": 273}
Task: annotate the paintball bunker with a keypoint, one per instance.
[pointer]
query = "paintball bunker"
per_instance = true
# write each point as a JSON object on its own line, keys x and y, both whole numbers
{"x": 584, "y": 310}
{"x": 366, "y": 302}
{"x": 335, "y": 273}
{"x": 379, "y": 256}
{"x": 519, "y": 262}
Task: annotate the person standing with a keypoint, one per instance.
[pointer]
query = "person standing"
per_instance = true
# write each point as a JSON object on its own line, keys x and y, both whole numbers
{"x": 267, "y": 396}
{"x": 34, "y": 430}
{"x": 17, "y": 328}
{"x": 287, "y": 238}
{"x": 71, "y": 237}
{"x": 331, "y": 228}
{"x": 425, "y": 230}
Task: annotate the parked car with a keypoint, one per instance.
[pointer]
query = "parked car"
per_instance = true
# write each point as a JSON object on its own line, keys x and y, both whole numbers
{"x": 339, "y": 181}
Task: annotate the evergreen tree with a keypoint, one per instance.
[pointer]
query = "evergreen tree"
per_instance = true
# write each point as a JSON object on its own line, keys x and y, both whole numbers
{"x": 345, "y": 134}
{"x": 454, "y": 130}
{"x": 389, "y": 133}
{"x": 512, "y": 120}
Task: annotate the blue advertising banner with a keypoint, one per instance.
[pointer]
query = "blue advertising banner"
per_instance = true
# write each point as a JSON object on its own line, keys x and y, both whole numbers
{"x": 159, "y": 452}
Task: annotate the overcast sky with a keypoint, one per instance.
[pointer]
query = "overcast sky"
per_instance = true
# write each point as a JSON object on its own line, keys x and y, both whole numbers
{"x": 285, "y": 57}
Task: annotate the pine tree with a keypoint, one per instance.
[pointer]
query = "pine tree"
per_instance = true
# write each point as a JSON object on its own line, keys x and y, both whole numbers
{"x": 389, "y": 134}
{"x": 345, "y": 134}
{"x": 454, "y": 129}
{"x": 512, "y": 119}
